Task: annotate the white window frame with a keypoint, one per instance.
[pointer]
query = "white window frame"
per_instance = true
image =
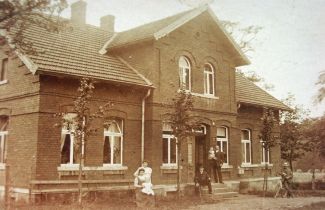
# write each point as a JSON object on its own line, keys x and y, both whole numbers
{"x": 170, "y": 138}
{"x": 113, "y": 135}
{"x": 208, "y": 71}
{"x": 263, "y": 154}
{"x": 70, "y": 132}
{"x": 3, "y": 137}
{"x": 249, "y": 142}
{"x": 183, "y": 71}
{"x": 224, "y": 140}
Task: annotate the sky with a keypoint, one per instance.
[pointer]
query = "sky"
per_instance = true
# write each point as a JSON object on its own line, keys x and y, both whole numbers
{"x": 289, "y": 50}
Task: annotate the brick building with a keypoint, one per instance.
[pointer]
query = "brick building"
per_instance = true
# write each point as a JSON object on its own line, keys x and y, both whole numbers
{"x": 138, "y": 70}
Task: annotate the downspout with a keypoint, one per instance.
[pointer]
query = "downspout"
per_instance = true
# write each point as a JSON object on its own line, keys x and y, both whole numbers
{"x": 142, "y": 123}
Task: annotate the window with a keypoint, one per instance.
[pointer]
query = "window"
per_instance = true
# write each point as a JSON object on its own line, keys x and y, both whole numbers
{"x": 184, "y": 73}
{"x": 169, "y": 153}
{"x": 69, "y": 154}
{"x": 265, "y": 154}
{"x": 246, "y": 146}
{"x": 222, "y": 142}
{"x": 4, "y": 120}
{"x": 4, "y": 70}
{"x": 113, "y": 143}
{"x": 208, "y": 79}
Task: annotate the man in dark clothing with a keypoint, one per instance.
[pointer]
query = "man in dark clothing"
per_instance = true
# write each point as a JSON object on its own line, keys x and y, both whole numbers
{"x": 219, "y": 161}
{"x": 286, "y": 179}
{"x": 202, "y": 179}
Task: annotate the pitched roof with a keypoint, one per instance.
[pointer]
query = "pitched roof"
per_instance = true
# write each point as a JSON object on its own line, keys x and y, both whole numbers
{"x": 249, "y": 93}
{"x": 160, "y": 28}
{"x": 75, "y": 52}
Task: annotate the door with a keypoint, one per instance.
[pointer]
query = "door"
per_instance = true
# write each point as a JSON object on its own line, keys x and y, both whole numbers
{"x": 200, "y": 152}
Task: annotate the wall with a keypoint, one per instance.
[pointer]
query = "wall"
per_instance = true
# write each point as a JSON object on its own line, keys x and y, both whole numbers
{"x": 20, "y": 96}
{"x": 59, "y": 92}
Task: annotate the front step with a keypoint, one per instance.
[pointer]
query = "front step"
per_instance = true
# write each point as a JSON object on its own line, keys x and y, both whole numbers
{"x": 219, "y": 190}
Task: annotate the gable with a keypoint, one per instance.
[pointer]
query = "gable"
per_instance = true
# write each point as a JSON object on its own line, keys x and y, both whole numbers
{"x": 159, "y": 29}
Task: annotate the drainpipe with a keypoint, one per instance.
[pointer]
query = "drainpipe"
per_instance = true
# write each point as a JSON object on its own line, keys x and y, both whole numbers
{"x": 142, "y": 124}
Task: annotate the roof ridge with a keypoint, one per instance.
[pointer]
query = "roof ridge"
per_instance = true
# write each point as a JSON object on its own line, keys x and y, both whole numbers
{"x": 155, "y": 21}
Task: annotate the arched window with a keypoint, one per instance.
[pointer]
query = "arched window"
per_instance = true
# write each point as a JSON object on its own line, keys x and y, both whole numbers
{"x": 222, "y": 141}
{"x": 4, "y": 121}
{"x": 69, "y": 154}
{"x": 113, "y": 143}
{"x": 208, "y": 79}
{"x": 184, "y": 73}
{"x": 246, "y": 146}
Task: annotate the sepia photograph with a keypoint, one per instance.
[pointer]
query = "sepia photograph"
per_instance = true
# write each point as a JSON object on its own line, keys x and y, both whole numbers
{"x": 162, "y": 104}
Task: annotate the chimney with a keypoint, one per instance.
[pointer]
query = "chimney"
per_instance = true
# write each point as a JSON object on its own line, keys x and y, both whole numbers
{"x": 78, "y": 12}
{"x": 107, "y": 23}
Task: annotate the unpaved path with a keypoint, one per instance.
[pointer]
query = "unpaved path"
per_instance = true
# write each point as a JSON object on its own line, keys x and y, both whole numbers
{"x": 252, "y": 202}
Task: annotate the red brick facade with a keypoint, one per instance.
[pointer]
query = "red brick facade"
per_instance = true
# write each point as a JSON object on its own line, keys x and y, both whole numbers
{"x": 33, "y": 147}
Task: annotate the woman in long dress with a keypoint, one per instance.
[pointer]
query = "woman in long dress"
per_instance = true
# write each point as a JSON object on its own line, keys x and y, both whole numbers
{"x": 144, "y": 193}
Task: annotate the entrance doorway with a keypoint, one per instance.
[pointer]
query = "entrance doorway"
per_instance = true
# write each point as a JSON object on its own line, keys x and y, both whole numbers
{"x": 200, "y": 152}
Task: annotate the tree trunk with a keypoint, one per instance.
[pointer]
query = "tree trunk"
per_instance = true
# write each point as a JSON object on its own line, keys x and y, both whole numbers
{"x": 80, "y": 180}
{"x": 178, "y": 143}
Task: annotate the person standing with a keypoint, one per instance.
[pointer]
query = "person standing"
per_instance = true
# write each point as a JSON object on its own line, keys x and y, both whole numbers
{"x": 286, "y": 179}
{"x": 146, "y": 168}
{"x": 212, "y": 164}
{"x": 219, "y": 161}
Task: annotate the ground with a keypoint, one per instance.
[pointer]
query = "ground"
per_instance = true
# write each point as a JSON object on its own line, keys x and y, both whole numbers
{"x": 242, "y": 202}
{"x": 252, "y": 202}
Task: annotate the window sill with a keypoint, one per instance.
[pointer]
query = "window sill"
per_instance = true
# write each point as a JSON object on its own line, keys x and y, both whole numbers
{"x": 226, "y": 166}
{"x": 2, "y": 166}
{"x": 72, "y": 169}
{"x": 269, "y": 165}
{"x": 68, "y": 167}
{"x": 3, "y": 82}
{"x": 205, "y": 96}
{"x": 169, "y": 169}
{"x": 249, "y": 165}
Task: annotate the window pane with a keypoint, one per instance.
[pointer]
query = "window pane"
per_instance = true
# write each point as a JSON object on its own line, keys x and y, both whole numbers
{"x": 172, "y": 151}
{"x": 165, "y": 150}
{"x": 243, "y": 152}
{"x": 266, "y": 158}
{"x": 4, "y": 69}
{"x": 107, "y": 151}
{"x": 248, "y": 151}
{"x": 221, "y": 132}
{"x": 187, "y": 79}
{"x": 113, "y": 128}
{"x": 245, "y": 135}
{"x": 117, "y": 150}
{"x": 224, "y": 149}
{"x": 210, "y": 83}
{"x": 206, "y": 82}
{"x": 4, "y": 120}
{"x": 219, "y": 144}
{"x": 65, "y": 151}
{"x": 2, "y": 139}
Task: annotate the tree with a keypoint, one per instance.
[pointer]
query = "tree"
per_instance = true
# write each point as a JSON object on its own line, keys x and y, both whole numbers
{"x": 315, "y": 132}
{"x": 182, "y": 123}
{"x": 293, "y": 142}
{"x": 81, "y": 125}
{"x": 321, "y": 91}
{"x": 268, "y": 138}
{"x": 18, "y": 15}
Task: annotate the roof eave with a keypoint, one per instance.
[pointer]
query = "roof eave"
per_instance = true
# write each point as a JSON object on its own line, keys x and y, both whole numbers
{"x": 52, "y": 73}
{"x": 282, "y": 108}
